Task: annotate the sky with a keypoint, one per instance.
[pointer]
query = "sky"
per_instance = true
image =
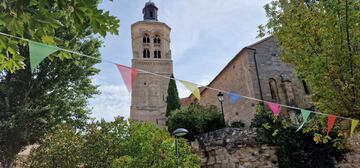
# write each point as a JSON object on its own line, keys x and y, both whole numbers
{"x": 205, "y": 36}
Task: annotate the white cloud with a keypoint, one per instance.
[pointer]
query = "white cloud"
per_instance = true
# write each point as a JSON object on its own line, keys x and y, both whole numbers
{"x": 231, "y": 22}
{"x": 114, "y": 100}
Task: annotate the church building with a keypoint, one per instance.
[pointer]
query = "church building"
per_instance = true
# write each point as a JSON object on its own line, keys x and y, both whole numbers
{"x": 151, "y": 52}
{"x": 257, "y": 71}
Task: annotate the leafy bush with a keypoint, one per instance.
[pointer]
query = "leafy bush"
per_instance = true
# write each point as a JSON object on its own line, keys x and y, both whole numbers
{"x": 196, "y": 119}
{"x": 111, "y": 144}
{"x": 237, "y": 124}
{"x": 295, "y": 149}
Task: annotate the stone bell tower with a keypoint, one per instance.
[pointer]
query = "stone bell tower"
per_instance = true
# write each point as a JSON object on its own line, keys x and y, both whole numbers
{"x": 151, "y": 52}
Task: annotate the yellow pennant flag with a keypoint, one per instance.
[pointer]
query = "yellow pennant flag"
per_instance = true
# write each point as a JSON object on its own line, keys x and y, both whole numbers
{"x": 354, "y": 123}
{"x": 192, "y": 87}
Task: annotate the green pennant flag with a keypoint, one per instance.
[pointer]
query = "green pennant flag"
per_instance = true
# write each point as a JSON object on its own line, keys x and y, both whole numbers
{"x": 305, "y": 115}
{"x": 39, "y": 51}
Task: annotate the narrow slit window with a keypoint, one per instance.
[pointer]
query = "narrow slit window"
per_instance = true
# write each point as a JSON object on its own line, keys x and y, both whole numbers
{"x": 273, "y": 89}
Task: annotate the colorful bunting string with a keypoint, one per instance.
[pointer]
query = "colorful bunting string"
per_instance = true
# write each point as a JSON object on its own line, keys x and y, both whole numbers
{"x": 128, "y": 74}
{"x": 234, "y": 98}
{"x": 354, "y": 123}
{"x": 275, "y": 108}
{"x": 305, "y": 115}
{"x": 192, "y": 87}
{"x": 39, "y": 51}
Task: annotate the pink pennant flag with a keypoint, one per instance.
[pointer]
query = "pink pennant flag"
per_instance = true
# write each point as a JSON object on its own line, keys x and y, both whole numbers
{"x": 331, "y": 121}
{"x": 275, "y": 108}
{"x": 128, "y": 74}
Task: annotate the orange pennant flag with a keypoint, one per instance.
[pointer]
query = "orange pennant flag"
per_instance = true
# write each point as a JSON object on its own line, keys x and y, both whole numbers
{"x": 354, "y": 123}
{"x": 192, "y": 87}
{"x": 331, "y": 121}
{"x": 128, "y": 74}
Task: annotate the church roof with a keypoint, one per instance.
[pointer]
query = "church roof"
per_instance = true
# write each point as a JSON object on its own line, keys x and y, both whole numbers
{"x": 150, "y": 4}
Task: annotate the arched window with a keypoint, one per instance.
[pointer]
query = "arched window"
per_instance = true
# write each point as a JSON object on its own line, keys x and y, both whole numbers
{"x": 273, "y": 89}
{"x": 146, "y": 38}
{"x": 157, "y": 54}
{"x": 157, "y": 39}
{"x": 306, "y": 88}
{"x": 146, "y": 53}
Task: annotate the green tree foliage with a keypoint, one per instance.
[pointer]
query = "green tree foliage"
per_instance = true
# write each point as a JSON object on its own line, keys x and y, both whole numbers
{"x": 322, "y": 39}
{"x": 103, "y": 142}
{"x": 111, "y": 144}
{"x": 172, "y": 100}
{"x": 32, "y": 104}
{"x": 45, "y": 21}
{"x": 62, "y": 148}
{"x": 149, "y": 146}
{"x": 296, "y": 149}
{"x": 196, "y": 119}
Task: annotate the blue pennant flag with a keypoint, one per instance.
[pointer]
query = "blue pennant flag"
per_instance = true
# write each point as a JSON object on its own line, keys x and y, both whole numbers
{"x": 234, "y": 98}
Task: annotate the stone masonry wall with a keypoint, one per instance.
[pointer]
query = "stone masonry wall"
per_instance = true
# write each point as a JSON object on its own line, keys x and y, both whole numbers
{"x": 240, "y": 76}
{"x": 352, "y": 158}
{"x": 233, "y": 148}
{"x": 237, "y": 148}
{"x": 236, "y": 77}
{"x": 290, "y": 88}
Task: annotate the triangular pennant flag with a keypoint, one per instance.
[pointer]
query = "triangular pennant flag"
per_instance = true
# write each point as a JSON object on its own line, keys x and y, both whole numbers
{"x": 354, "y": 123}
{"x": 331, "y": 121}
{"x": 39, "y": 51}
{"x": 128, "y": 74}
{"x": 305, "y": 115}
{"x": 234, "y": 98}
{"x": 275, "y": 108}
{"x": 192, "y": 87}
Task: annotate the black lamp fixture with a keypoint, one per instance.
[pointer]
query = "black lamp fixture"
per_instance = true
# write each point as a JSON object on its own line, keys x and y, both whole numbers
{"x": 179, "y": 132}
{"x": 220, "y": 97}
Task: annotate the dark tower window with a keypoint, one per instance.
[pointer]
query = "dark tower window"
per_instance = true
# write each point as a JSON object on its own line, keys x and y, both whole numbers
{"x": 151, "y": 14}
{"x": 157, "y": 54}
{"x": 306, "y": 88}
{"x": 146, "y": 53}
{"x": 146, "y": 38}
{"x": 273, "y": 89}
{"x": 157, "y": 39}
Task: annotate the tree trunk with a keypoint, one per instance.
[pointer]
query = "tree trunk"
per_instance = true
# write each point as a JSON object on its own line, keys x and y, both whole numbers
{"x": 7, "y": 163}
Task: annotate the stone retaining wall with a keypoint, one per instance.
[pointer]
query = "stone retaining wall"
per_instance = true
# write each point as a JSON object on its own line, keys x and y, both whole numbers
{"x": 352, "y": 158}
{"x": 233, "y": 148}
{"x": 237, "y": 148}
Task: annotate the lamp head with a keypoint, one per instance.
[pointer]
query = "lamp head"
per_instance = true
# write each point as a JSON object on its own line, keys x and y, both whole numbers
{"x": 180, "y": 132}
{"x": 220, "y": 96}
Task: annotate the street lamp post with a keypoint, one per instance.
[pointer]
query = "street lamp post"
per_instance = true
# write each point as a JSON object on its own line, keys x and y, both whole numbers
{"x": 220, "y": 96}
{"x": 179, "y": 132}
